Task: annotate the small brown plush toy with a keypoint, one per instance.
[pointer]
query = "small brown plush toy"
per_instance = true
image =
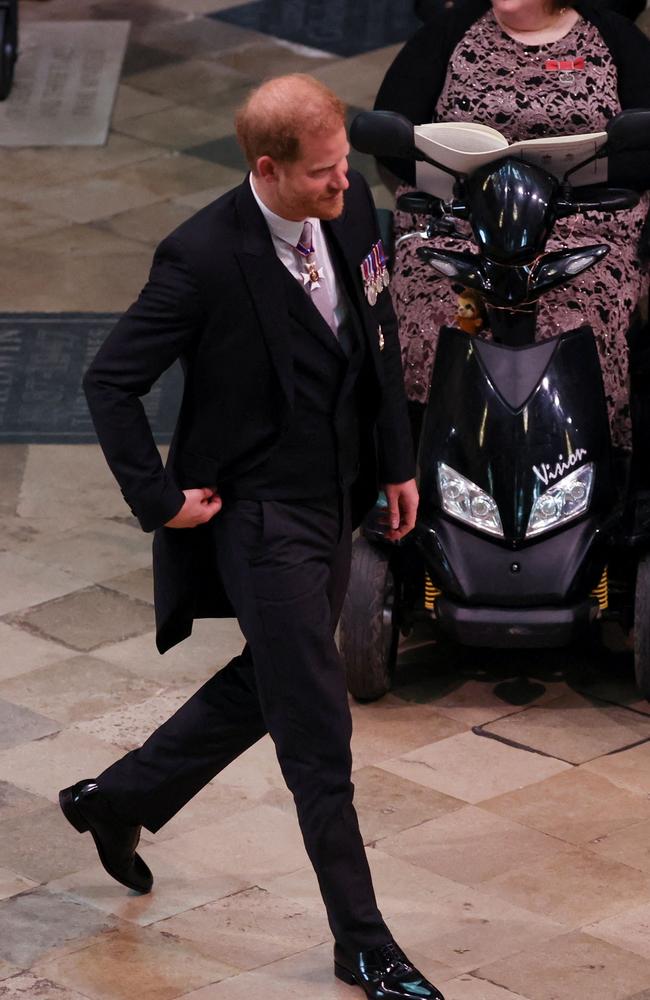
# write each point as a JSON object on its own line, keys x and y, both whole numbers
{"x": 469, "y": 311}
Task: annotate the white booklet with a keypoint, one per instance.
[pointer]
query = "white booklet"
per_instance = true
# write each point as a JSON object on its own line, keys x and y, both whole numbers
{"x": 464, "y": 146}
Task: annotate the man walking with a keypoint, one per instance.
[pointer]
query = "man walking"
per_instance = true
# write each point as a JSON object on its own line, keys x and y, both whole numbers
{"x": 293, "y": 412}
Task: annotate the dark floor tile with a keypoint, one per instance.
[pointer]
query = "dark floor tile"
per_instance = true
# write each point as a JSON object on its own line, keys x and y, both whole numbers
{"x": 338, "y": 26}
{"x": 16, "y": 801}
{"x": 35, "y": 922}
{"x": 225, "y": 152}
{"x": 140, "y": 58}
{"x": 42, "y": 846}
{"x": 20, "y": 725}
{"x": 88, "y": 618}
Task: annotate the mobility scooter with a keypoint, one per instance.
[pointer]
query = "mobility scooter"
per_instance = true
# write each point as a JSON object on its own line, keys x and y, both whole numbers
{"x": 529, "y": 531}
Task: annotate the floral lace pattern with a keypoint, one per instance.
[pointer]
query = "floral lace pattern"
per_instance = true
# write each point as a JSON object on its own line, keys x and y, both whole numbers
{"x": 498, "y": 81}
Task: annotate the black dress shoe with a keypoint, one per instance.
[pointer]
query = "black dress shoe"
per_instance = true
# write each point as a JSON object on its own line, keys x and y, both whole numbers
{"x": 83, "y": 806}
{"x": 385, "y": 973}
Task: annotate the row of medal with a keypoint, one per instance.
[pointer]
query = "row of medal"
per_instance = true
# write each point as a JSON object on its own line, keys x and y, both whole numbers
{"x": 374, "y": 272}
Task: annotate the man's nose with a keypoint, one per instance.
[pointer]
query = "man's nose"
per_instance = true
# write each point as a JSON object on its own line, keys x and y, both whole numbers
{"x": 341, "y": 177}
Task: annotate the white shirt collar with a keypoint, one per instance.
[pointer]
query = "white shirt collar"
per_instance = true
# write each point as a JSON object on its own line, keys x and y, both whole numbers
{"x": 283, "y": 229}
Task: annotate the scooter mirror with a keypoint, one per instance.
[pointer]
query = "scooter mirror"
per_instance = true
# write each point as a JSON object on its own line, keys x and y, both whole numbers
{"x": 420, "y": 203}
{"x": 383, "y": 133}
{"x": 628, "y": 131}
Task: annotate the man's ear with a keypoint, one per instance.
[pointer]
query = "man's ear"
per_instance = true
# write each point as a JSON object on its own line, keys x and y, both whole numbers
{"x": 266, "y": 169}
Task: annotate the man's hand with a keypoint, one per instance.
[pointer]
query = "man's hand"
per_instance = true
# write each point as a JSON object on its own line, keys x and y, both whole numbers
{"x": 200, "y": 506}
{"x": 402, "y": 508}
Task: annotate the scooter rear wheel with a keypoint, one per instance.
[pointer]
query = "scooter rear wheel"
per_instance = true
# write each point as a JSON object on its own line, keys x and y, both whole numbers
{"x": 8, "y": 47}
{"x": 642, "y": 627}
{"x": 369, "y": 632}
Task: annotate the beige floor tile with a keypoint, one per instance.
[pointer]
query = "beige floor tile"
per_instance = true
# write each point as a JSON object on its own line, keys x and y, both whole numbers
{"x": 135, "y": 962}
{"x": 386, "y": 803}
{"x": 12, "y": 468}
{"x": 198, "y": 82}
{"x": 39, "y": 924}
{"x": 273, "y": 57}
{"x": 129, "y": 725}
{"x": 475, "y": 703}
{"x": 629, "y": 929}
{"x": 469, "y": 929}
{"x": 471, "y": 988}
{"x": 94, "y": 553}
{"x": 16, "y": 533}
{"x": 133, "y": 103}
{"x": 41, "y": 846}
{"x": 573, "y": 887}
{"x": 23, "y": 652}
{"x": 473, "y": 768}
{"x": 214, "y": 802}
{"x": 33, "y": 582}
{"x": 391, "y": 727}
{"x": 195, "y": 38}
{"x": 16, "y": 801}
{"x": 177, "y": 127}
{"x": 30, "y": 169}
{"x": 7, "y": 970}
{"x": 470, "y": 845}
{"x": 214, "y": 641}
{"x": 179, "y": 884}
{"x": 307, "y": 974}
{"x": 200, "y": 6}
{"x": 575, "y": 806}
{"x": 11, "y": 884}
{"x": 573, "y": 728}
{"x": 224, "y": 180}
{"x": 24, "y": 986}
{"x": 357, "y": 79}
{"x": 20, "y": 222}
{"x": 256, "y": 772}
{"x": 251, "y": 928}
{"x": 629, "y": 769}
{"x": 47, "y": 765}
{"x": 87, "y": 284}
{"x": 168, "y": 176}
{"x": 88, "y": 199}
{"x": 77, "y": 688}
{"x": 630, "y": 846}
{"x": 88, "y": 617}
{"x": 81, "y": 241}
{"x": 151, "y": 224}
{"x": 19, "y": 725}
{"x": 258, "y": 844}
{"x": 404, "y": 891}
{"x": 80, "y": 487}
{"x": 573, "y": 967}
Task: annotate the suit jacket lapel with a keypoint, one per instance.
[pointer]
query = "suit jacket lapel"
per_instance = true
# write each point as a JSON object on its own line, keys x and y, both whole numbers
{"x": 347, "y": 263}
{"x": 263, "y": 275}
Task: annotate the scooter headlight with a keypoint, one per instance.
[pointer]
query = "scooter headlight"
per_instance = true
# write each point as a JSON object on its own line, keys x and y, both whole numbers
{"x": 563, "y": 501}
{"x": 463, "y": 499}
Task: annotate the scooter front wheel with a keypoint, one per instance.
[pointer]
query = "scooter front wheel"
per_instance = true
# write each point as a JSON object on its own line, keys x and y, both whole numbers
{"x": 369, "y": 632}
{"x": 642, "y": 627}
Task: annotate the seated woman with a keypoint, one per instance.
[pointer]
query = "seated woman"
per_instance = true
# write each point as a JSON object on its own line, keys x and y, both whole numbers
{"x": 491, "y": 63}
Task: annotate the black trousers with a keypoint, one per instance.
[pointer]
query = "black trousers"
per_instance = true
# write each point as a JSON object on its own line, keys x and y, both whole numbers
{"x": 285, "y": 567}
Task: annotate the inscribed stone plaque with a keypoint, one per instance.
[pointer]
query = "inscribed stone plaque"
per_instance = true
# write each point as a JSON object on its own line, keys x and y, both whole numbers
{"x": 64, "y": 84}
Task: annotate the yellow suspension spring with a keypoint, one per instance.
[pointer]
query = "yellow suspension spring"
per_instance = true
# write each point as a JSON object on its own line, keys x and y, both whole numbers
{"x": 601, "y": 592}
{"x": 430, "y": 593}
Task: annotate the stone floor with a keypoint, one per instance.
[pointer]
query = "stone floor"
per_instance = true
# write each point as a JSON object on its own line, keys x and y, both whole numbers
{"x": 505, "y": 800}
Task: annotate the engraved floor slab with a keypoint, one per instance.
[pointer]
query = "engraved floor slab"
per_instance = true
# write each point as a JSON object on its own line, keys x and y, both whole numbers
{"x": 64, "y": 85}
{"x": 42, "y": 361}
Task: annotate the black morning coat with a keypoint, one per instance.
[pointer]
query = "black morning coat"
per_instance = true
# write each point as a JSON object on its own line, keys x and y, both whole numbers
{"x": 216, "y": 299}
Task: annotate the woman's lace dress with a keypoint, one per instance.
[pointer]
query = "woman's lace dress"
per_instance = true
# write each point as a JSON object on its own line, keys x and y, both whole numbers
{"x": 500, "y": 82}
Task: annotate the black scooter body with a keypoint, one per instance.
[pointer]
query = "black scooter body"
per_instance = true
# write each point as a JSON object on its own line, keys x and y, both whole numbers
{"x": 496, "y": 414}
{"x": 511, "y": 424}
